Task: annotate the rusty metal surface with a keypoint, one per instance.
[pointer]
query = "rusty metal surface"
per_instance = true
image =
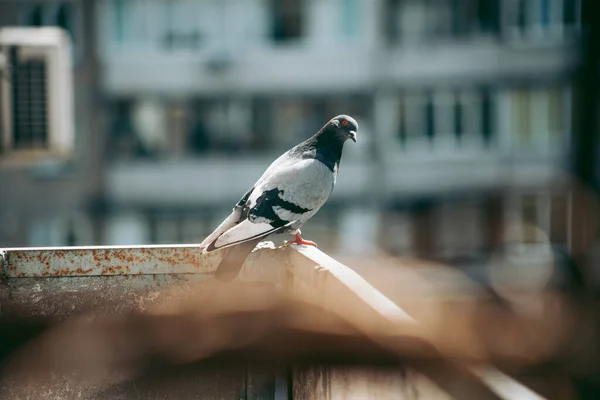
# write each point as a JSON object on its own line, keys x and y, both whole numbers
{"x": 62, "y": 297}
{"x": 120, "y": 260}
{"x": 58, "y": 283}
{"x": 113, "y": 260}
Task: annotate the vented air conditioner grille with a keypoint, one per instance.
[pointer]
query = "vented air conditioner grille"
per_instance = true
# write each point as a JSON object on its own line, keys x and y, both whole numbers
{"x": 30, "y": 105}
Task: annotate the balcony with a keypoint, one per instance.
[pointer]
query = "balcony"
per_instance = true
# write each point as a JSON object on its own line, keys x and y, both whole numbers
{"x": 221, "y": 51}
{"x": 411, "y": 143}
{"x": 212, "y": 182}
{"x": 314, "y": 71}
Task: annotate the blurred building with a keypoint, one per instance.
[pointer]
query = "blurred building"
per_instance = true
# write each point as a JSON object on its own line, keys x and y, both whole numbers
{"x": 466, "y": 104}
{"x": 50, "y": 169}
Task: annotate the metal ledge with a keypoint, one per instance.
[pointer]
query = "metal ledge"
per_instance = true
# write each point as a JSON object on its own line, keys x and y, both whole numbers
{"x": 35, "y": 262}
{"x": 306, "y": 271}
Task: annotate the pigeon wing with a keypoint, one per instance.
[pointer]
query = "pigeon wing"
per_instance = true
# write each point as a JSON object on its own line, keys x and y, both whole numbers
{"x": 288, "y": 197}
{"x": 261, "y": 221}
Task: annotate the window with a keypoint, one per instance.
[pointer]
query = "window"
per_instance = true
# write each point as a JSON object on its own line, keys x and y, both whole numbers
{"x": 67, "y": 230}
{"x": 64, "y": 18}
{"x": 182, "y": 226}
{"x": 126, "y": 229}
{"x": 166, "y": 229}
{"x": 119, "y": 20}
{"x": 419, "y": 20}
{"x": 487, "y": 116}
{"x": 413, "y": 120}
{"x": 439, "y": 17}
{"x": 62, "y": 14}
{"x": 488, "y": 15}
{"x": 199, "y": 138}
{"x": 35, "y": 16}
{"x": 218, "y": 123}
{"x": 182, "y": 24}
{"x": 407, "y": 21}
{"x": 520, "y": 126}
{"x": 445, "y": 104}
{"x": 470, "y": 112}
{"x": 350, "y": 18}
{"x": 541, "y": 18}
{"x": 429, "y": 118}
{"x": 261, "y": 123}
{"x": 123, "y": 141}
{"x": 168, "y": 127}
{"x": 149, "y": 117}
{"x": 287, "y": 20}
{"x": 538, "y": 118}
{"x": 290, "y": 117}
{"x": 446, "y": 118}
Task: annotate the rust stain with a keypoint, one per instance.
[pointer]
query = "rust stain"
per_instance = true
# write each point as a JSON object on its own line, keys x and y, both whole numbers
{"x": 83, "y": 271}
{"x": 107, "y": 261}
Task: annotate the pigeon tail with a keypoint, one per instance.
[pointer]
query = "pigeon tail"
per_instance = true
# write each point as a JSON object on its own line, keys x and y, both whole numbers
{"x": 233, "y": 261}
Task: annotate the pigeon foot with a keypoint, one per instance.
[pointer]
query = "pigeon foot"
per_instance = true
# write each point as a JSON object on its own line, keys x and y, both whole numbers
{"x": 299, "y": 240}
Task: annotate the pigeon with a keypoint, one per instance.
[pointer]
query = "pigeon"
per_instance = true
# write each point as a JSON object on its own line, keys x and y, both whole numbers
{"x": 288, "y": 194}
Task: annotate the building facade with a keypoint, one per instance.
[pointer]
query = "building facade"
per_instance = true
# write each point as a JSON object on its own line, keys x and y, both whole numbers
{"x": 51, "y": 175}
{"x": 196, "y": 97}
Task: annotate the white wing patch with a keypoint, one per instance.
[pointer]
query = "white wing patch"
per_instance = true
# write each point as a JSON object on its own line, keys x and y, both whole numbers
{"x": 243, "y": 232}
{"x": 286, "y": 215}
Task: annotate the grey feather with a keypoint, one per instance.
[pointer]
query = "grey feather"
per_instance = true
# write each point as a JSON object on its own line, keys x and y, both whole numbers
{"x": 305, "y": 183}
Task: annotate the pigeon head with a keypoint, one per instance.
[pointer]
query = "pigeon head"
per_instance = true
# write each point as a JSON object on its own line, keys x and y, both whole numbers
{"x": 342, "y": 127}
{"x": 327, "y": 144}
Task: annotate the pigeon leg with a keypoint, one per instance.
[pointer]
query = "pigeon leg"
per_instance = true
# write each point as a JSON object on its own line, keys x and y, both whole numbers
{"x": 299, "y": 240}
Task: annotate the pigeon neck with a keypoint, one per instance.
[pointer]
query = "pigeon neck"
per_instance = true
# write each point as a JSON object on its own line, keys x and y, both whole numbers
{"x": 328, "y": 149}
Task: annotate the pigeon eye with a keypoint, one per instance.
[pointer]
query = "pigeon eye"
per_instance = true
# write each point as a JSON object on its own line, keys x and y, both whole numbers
{"x": 344, "y": 122}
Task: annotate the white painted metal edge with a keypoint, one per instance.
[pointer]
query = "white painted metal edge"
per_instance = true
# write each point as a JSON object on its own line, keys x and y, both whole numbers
{"x": 500, "y": 383}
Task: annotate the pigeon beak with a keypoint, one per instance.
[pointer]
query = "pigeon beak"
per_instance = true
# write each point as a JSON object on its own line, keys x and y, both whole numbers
{"x": 352, "y": 135}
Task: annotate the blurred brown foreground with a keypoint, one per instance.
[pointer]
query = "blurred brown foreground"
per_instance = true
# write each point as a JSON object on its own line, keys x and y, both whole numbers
{"x": 105, "y": 337}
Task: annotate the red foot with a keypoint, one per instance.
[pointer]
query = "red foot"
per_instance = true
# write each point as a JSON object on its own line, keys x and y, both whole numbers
{"x": 299, "y": 240}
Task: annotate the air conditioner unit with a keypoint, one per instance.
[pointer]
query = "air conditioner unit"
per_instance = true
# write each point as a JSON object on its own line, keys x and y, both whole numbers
{"x": 36, "y": 92}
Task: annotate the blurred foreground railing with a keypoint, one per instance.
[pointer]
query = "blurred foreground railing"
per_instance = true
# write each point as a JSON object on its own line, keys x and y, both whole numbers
{"x": 62, "y": 282}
